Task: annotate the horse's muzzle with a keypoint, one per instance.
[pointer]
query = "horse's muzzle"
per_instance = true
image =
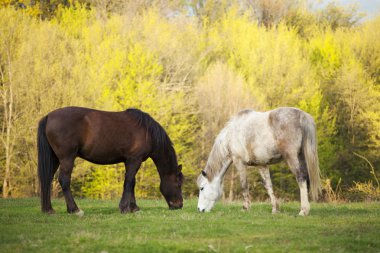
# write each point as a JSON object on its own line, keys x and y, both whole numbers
{"x": 175, "y": 205}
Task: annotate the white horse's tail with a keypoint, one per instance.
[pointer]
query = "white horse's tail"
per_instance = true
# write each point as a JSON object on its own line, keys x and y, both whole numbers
{"x": 309, "y": 146}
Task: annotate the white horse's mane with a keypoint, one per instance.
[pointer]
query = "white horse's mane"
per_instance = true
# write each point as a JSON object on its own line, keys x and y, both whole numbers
{"x": 219, "y": 154}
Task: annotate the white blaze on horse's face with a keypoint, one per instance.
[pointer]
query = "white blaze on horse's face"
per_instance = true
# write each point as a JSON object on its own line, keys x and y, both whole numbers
{"x": 209, "y": 192}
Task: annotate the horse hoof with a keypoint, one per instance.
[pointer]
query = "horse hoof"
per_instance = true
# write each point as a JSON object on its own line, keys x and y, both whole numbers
{"x": 80, "y": 213}
{"x": 275, "y": 211}
{"x": 130, "y": 209}
{"x": 246, "y": 206}
{"x": 50, "y": 211}
{"x": 303, "y": 213}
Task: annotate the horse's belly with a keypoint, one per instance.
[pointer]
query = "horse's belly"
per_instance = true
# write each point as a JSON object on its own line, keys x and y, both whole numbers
{"x": 263, "y": 153}
{"x": 102, "y": 154}
{"x": 102, "y": 158}
{"x": 267, "y": 160}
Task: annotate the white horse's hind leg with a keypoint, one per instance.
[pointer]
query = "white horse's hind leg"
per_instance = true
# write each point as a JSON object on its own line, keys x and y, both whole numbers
{"x": 242, "y": 169}
{"x": 264, "y": 172}
{"x": 305, "y": 205}
{"x": 298, "y": 168}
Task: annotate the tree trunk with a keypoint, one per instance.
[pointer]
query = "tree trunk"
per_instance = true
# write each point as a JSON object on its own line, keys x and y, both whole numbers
{"x": 8, "y": 142}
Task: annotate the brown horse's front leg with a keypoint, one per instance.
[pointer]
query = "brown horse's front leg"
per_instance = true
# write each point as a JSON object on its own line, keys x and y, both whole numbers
{"x": 128, "y": 201}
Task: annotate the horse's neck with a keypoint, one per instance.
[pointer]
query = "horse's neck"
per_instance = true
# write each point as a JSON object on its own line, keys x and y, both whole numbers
{"x": 165, "y": 162}
{"x": 219, "y": 159}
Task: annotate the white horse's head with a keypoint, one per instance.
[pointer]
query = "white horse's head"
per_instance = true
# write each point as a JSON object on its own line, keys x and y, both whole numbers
{"x": 209, "y": 191}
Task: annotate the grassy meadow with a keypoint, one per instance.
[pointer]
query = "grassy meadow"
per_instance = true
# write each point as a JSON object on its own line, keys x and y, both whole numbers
{"x": 352, "y": 227}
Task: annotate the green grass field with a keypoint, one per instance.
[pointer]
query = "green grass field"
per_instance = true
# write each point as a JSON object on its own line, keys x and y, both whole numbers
{"x": 330, "y": 228}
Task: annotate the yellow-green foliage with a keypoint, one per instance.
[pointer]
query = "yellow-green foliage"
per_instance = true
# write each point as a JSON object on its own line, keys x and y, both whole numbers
{"x": 325, "y": 55}
{"x": 103, "y": 183}
{"x": 191, "y": 73}
{"x": 271, "y": 61}
{"x": 367, "y": 189}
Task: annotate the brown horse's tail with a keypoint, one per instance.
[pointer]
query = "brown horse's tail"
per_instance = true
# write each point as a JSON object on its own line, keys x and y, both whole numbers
{"x": 47, "y": 165}
{"x": 309, "y": 146}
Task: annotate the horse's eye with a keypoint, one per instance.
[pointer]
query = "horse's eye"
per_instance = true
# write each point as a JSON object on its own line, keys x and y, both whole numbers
{"x": 202, "y": 188}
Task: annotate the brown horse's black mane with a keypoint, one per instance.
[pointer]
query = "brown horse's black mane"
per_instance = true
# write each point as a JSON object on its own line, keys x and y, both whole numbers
{"x": 162, "y": 145}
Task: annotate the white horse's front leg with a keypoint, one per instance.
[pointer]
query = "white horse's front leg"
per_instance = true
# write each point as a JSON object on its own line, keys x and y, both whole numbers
{"x": 264, "y": 172}
{"x": 242, "y": 169}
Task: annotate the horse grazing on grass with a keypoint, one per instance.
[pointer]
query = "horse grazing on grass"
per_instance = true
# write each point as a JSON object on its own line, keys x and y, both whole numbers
{"x": 260, "y": 139}
{"x": 101, "y": 137}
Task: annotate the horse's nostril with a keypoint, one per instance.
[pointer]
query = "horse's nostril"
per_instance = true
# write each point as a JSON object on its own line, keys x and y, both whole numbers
{"x": 203, "y": 210}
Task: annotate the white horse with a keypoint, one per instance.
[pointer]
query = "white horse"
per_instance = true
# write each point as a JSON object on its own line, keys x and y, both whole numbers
{"x": 259, "y": 139}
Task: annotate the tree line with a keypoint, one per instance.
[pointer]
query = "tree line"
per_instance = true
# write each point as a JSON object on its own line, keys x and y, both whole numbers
{"x": 191, "y": 65}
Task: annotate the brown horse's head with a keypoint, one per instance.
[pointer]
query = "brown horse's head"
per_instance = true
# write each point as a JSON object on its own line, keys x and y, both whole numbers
{"x": 171, "y": 188}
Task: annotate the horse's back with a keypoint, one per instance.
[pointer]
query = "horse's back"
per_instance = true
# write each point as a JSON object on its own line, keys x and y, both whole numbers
{"x": 73, "y": 123}
{"x": 286, "y": 123}
{"x": 286, "y": 116}
{"x": 262, "y": 122}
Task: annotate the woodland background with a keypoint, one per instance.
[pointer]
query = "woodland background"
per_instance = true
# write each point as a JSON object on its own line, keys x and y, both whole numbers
{"x": 191, "y": 65}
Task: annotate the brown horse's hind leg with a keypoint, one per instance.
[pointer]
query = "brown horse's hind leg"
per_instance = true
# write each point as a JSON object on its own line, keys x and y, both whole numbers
{"x": 64, "y": 179}
{"x": 128, "y": 201}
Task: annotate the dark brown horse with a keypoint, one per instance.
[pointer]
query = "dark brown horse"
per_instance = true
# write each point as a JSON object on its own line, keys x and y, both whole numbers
{"x": 131, "y": 137}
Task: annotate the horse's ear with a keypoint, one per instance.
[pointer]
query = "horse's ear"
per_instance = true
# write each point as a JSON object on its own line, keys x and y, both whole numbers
{"x": 181, "y": 177}
{"x": 204, "y": 173}
{"x": 180, "y": 167}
